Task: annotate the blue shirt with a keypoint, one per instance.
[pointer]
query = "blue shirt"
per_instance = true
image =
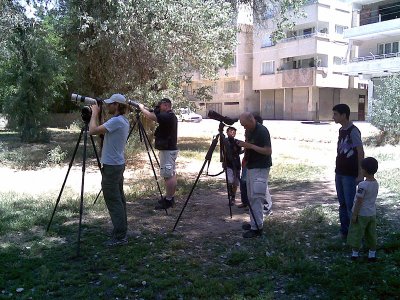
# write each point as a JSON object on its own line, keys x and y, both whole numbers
{"x": 113, "y": 152}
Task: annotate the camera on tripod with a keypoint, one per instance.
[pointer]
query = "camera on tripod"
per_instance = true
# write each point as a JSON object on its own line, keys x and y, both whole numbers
{"x": 86, "y": 111}
{"x": 224, "y": 119}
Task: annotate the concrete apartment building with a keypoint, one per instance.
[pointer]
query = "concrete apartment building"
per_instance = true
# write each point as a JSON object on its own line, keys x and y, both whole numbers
{"x": 302, "y": 76}
{"x": 232, "y": 93}
{"x": 299, "y": 78}
{"x": 373, "y": 42}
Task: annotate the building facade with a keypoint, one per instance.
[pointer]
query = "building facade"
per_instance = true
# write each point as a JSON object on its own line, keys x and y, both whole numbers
{"x": 233, "y": 92}
{"x": 300, "y": 78}
{"x": 373, "y": 42}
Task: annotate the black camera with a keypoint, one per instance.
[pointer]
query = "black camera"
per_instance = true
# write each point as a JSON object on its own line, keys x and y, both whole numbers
{"x": 216, "y": 116}
{"x": 86, "y": 113}
{"x": 133, "y": 103}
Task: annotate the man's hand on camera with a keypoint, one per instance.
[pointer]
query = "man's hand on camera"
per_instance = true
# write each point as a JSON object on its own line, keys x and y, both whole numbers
{"x": 141, "y": 106}
{"x": 242, "y": 144}
{"x": 95, "y": 109}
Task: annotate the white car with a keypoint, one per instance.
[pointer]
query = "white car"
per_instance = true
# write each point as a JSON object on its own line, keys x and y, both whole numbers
{"x": 186, "y": 115}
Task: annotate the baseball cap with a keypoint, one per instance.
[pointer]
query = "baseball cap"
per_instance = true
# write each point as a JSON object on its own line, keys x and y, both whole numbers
{"x": 116, "y": 98}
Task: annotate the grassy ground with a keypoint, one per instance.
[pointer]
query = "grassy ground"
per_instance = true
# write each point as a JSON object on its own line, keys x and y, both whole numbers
{"x": 295, "y": 259}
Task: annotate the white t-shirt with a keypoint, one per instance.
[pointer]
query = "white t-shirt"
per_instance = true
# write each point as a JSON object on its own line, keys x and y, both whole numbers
{"x": 368, "y": 191}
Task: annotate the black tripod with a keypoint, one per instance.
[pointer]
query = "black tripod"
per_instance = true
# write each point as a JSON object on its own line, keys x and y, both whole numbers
{"x": 86, "y": 115}
{"x": 220, "y": 137}
{"x": 143, "y": 137}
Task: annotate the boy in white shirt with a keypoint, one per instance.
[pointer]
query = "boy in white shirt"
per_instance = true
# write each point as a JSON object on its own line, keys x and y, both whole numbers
{"x": 363, "y": 219}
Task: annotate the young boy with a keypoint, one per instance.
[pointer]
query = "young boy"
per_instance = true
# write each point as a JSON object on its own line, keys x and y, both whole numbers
{"x": 363, "y": 219}
{"x": 232, "y": 163}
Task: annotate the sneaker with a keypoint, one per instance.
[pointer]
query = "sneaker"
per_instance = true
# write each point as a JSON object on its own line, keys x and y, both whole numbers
{"x": 267, "y": 211}
{"x": 252, "y": 233}
{"x": 165, "y": 204}
{"x": 242, "y": 205}
{"x": 246, "y": 226}
{"x": 117, "y": 242}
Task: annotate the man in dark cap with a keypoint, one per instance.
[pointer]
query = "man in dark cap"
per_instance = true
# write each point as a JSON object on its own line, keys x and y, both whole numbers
{"x": 166, "y": 136}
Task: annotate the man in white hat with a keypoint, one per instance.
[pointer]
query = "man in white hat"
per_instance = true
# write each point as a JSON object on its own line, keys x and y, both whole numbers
{"x": 115, "y": 131}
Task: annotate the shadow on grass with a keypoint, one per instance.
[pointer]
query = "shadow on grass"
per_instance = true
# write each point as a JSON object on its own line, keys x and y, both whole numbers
{"x": 300, "y": 194}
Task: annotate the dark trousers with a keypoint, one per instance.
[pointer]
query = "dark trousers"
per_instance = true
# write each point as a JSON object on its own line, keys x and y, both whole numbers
{"x": 112, "y": 184}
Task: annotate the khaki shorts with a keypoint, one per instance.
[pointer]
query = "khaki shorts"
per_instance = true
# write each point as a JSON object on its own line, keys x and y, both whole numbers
{"x": 167, "y": 163}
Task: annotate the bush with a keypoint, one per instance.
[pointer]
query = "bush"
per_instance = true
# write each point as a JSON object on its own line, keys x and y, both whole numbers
{"x": 385, "y": 112}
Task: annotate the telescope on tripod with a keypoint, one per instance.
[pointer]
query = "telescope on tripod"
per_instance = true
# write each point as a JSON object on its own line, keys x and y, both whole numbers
{"x": 219, "y": 138}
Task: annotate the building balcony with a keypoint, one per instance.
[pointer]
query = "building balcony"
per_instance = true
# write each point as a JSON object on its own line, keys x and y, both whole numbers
{"x": 374, "y": 30}
{"x": 373, "y": 65}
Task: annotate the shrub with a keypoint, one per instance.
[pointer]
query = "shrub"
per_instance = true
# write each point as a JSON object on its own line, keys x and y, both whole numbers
{"x": 385, "y": 113}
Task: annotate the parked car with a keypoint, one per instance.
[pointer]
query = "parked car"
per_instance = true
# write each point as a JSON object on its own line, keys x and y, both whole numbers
{"x": 186, "y": 115}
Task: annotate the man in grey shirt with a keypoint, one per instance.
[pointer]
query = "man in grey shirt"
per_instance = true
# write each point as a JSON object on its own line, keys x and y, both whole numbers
{"x": 115, "y": 131}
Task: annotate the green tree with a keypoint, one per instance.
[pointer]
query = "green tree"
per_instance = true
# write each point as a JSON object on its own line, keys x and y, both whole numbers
{"x": 145, "y": 48}
{"x": 30, "y": 71}
{"x": 385, "y": 112}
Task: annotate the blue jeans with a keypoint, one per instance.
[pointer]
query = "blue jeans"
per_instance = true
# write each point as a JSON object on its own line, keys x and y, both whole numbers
{"x": 346, "y": 191}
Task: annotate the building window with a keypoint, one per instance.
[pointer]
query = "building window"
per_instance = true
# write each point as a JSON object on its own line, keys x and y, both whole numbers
{"x": 214, "y": 88}
{"x": 231, "y": 103}
{"x": 395, "y": 47}
{"x": 388, "y": 48}
{"x": 188, "y": 89}
{"x": 267, "y": 42}
{"x": 337, "y": 60}
{"x": 380, "y": 49}
{"x": 339, "y": 29}
{"x": 232, "y": 87}
{"x": 308, "y": 32}
{"x": 234, "y": 58}
{"x": 268, "y": 67}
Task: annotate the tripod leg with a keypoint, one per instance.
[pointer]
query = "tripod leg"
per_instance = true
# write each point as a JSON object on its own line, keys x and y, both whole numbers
{"x": 190, "y": 194}
{"x": 223, "y": 156}
{"x": 208, "y": 158}
{"x": 254, "y": 217}
{"x": 98, "y": 164}
{"x": 147, "y": 144}
{"x": 146, "y": 138}
{"x": 65, "y": 179}
{"x": 82, "y": 188}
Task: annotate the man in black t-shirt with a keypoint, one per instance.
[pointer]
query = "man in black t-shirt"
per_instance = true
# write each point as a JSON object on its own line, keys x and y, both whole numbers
{"x": 166, "y": 136}
{"x": 258, "y": 150}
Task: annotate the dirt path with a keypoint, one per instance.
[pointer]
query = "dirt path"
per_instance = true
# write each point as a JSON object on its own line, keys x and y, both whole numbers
{"x": 207, "y": 212}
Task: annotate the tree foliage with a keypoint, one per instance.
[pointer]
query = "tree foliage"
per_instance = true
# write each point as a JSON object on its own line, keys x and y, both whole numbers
{"x": 385, "y": 113}
{"x": 145, "y": 48}
{"x": 142, "y": 48}
{"x": 282, "y": 12}
{"x": 30, "y": 72}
